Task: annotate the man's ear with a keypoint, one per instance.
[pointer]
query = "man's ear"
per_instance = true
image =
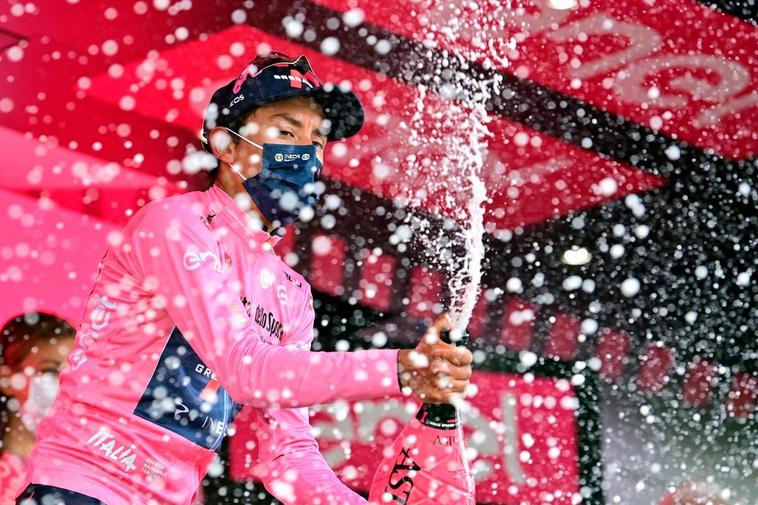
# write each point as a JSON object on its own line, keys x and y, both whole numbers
{"x": 222, "y": 144}
{"x": 5, "y": 381}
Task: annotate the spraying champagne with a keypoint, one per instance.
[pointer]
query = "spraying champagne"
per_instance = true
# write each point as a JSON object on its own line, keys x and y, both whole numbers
{"x": 427, "y": 463}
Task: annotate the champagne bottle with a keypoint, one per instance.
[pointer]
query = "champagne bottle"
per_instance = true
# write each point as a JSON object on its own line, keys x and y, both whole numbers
{"x": 427, "y": 464}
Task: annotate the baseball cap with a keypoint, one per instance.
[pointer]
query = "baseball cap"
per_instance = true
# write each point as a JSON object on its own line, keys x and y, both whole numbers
{"x": 277, "y": 76}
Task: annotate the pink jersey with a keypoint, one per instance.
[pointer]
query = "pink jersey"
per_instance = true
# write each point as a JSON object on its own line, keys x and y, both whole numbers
{"x": 12, "y": 470}
{"x": 192, "y": 316}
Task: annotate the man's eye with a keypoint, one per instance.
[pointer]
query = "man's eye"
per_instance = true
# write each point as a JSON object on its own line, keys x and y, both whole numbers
{"x": 318, "y": 144}
{"x": 285, "y": 133}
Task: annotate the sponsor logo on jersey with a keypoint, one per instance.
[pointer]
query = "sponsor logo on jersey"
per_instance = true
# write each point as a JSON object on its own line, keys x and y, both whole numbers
{"x": 210, "y": 392}
{"x": 99, "y": 318}
{"x": 248, "y": 306}
{"x": 185, "y": 397}
{"x": 195, "y": 260}
{"x": 207, "y": 219}
{"x": 215, "y": 427}
{"x": 270, "y": 324}
{"x": 293, "y": 281}
{"x": 112, "y": 449}
{"x": 266, "y": 320}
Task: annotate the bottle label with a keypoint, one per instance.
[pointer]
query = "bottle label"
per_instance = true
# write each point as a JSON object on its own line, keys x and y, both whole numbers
{"x": 439, "y": 416}
{"x": 400, "y": 485}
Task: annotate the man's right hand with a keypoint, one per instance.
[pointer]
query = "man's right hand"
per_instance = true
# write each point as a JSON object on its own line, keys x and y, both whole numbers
{"x": 435, "y": 372}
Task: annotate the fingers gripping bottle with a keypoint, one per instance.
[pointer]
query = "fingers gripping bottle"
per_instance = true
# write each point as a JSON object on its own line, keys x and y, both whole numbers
{"x": 427, "y": 464}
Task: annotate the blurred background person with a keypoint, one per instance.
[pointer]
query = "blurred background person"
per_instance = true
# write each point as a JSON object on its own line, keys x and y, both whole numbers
{"x": 33, "y": 348}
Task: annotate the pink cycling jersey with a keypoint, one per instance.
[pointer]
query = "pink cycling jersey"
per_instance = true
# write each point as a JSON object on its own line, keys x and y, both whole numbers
{"x": 191, "y": 317}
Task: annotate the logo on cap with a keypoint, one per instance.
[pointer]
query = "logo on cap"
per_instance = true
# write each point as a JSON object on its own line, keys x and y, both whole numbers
{"x": 241, "y": 79}
{"x": 237, "y": 99}
{"x": 296, "y": 79}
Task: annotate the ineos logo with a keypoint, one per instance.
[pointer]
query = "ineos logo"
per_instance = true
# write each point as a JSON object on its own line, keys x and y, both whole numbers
{"x": 306, "y": 157}
{"x": 237, "y": 99}
{"x": 290, "y": 157}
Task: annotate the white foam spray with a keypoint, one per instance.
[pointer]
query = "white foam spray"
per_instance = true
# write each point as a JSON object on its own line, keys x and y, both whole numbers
{"x": 460, "y": 136}
{"x": 466, "y": 274}
{"x": 464, "y": 284}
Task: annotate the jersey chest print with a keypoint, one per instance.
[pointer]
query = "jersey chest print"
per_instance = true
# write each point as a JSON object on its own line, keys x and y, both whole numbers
{"x": 185, "y": 397}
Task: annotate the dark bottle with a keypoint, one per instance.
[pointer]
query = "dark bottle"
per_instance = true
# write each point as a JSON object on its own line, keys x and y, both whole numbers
{"x": 427, "y": 464}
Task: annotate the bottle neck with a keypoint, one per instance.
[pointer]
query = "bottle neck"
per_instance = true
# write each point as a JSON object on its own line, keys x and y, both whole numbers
{"x": 440, "y": 416}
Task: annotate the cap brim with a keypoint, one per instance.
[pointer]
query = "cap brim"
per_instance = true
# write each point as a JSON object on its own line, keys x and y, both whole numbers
{"x": 343, "y": 109}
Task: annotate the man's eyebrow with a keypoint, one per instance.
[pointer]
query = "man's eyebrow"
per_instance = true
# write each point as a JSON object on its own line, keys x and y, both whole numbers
{"x": 294, "y": 122}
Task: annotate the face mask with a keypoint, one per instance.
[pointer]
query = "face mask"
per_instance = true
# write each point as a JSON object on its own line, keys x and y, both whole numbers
{"x": 286, "y": 182}
{"x": 42, "y": 391}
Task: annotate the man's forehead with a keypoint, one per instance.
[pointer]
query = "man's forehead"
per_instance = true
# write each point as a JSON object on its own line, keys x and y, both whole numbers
{"x": 296, "y": 105}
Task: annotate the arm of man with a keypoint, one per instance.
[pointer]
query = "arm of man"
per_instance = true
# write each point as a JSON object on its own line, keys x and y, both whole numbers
{"x": 289, "y": 462}
{"x": 204, "y": 303}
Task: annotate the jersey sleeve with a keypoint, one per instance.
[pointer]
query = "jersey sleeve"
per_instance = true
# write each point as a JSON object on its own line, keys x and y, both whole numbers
{"x": 289, "y": 462}
{"x": 176, "y": 258}
{"x": 302, "y": 476}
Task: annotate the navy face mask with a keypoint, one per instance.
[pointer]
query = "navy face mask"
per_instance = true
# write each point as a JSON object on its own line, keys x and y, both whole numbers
{"x": 286, "y": 183}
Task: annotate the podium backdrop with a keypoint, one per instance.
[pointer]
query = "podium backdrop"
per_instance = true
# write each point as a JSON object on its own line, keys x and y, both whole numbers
{"x": 623, "y": 131}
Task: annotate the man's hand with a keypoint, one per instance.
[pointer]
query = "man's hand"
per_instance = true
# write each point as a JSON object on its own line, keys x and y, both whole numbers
{"x": 435, "y": 372}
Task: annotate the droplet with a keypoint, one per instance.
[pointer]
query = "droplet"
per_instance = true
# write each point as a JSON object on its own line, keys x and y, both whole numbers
{"x": 330, "y": 46}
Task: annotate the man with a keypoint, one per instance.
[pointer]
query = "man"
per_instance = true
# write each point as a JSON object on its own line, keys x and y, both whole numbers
{"x": 192, "y": 315}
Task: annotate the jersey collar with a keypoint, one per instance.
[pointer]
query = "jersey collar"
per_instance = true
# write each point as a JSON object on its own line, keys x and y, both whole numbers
{"x": 245, "y": 223}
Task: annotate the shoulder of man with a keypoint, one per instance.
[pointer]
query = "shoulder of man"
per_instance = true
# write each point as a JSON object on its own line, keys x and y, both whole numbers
{"x": 295, "y": 279}
{"x": 163, "y": 213}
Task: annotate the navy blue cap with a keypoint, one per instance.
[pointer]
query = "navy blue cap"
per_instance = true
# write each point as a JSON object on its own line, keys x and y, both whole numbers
{"x": 280, "y": 78}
